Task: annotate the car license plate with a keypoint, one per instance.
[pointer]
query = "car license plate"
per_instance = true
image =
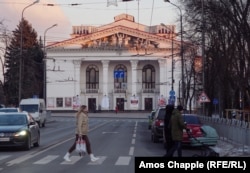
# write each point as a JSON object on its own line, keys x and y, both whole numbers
{"x": 4, "y": 139}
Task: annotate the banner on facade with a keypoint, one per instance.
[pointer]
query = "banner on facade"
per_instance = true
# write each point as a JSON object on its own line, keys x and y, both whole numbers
{"x": 76, "y": 102}
{"x": 161, "y": 101}
{"x": 134, "y": 102}
{"x": 105, "y": 102}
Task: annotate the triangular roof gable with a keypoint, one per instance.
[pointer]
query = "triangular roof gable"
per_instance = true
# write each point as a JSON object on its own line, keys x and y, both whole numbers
{"x": 109, "y": 32}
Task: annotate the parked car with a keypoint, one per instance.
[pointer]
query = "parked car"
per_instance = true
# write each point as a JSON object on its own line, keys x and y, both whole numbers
{"x": 198, "y": 133}
{"x": 150, "y": 119}
{"x": 19, "y": 129}
{"x": 8, "y": 109}
{"x": 158, "y": 124}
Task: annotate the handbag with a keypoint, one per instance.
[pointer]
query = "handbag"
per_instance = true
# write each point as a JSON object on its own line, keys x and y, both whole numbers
{"x": 81, "y": 146}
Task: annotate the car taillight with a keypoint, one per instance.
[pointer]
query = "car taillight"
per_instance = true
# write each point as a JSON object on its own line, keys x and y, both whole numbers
{"x": 159, "y": 123}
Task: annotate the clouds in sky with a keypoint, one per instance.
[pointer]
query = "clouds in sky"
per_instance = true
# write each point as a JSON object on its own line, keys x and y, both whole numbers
{"x": 66, "y": 13}
{"x": 39, "y": 16}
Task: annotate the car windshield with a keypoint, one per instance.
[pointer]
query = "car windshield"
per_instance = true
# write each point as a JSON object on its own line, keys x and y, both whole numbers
{"x": 29, "y": 108}
{"x": 13, "y": 119}
{"x": 191, "y": 119}
{"x": 161, "y": 114}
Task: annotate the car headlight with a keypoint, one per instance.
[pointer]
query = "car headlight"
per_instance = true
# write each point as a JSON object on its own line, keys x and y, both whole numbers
{"x": 21, "y": 133}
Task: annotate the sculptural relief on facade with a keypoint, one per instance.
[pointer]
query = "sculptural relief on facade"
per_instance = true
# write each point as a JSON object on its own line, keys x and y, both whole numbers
{"x": 121, "y": 41}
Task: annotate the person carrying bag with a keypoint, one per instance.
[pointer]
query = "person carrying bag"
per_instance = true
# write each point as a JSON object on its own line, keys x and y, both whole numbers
{"x": 81, "y": 146}
{"x": 82, "y": 128}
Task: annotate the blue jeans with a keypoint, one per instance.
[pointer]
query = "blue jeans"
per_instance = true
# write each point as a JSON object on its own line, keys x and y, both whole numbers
{"x": 177, "y": 146}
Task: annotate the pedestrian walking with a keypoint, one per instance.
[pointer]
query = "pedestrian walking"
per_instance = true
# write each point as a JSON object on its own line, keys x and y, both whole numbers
{"x": 82, "y": 128}
{"x": 177, "y": 125}
{"x": 167, "y": 128}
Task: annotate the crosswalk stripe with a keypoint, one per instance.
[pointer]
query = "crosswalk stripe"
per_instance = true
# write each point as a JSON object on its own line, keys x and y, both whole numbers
{"x": 73, "y": 159}
{"x": 46, "y": 159}
{"x": 123, "y": 160}
{"x": 99, "y": 161}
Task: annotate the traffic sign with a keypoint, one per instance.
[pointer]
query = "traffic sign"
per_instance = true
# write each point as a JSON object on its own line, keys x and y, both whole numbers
{"x": 171, "y": 92}
{"x": 203, "y": 98}
{"x": 171, "y": 100}
{"x": 215, "y": 101}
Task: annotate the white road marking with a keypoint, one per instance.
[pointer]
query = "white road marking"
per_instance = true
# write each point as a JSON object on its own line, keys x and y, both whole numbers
{"x": 133, "y": 141}
{"x": 46, "y": 159}
{"x": 99, "y": 161}
{"x": 108, "y": 132}
{"x": 123, "y": 160}
{"x": 73, "y": 159}
{"x": 131, "y": 151}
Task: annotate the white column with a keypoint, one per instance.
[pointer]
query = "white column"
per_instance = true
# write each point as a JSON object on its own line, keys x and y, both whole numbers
{"x": 105, "y": 65}
{"x": 163, "y": 77}
{"x": 77, "y": 68}
{"x": 134, "y": 76}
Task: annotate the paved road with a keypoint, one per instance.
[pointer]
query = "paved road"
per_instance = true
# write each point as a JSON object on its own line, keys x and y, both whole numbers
{"x": 143, "y": 115}
{"x": 224, "y": 147}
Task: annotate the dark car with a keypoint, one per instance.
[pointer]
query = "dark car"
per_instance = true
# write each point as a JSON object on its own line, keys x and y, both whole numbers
{"x": 18, "y": 129}
{"x": 158, "y": 124}
{"x": 150, "y": 119}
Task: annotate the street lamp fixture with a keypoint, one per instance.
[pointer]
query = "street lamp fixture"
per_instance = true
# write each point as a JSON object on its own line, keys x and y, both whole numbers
{"x": 21, "y": 52}
{"x": 182, "y": 58}
{"x": 44, "y": 61}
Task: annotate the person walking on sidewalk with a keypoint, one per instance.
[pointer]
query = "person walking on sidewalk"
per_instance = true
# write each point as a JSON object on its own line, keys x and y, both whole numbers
{"x": 82, "y": 128}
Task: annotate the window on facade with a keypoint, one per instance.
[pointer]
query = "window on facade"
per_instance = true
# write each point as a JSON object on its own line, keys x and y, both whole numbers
{"x": 92, "y": 77}
{"x": 148, "y": 77}
{"x": 120, "y": 77}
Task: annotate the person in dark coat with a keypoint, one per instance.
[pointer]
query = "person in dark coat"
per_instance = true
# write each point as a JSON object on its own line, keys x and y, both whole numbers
{"x": 177, "y": 125}
{"x": 167, "y": 129}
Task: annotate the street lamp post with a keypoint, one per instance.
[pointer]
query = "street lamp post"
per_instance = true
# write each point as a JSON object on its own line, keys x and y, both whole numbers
{"x": 172, "y": 42}
{"x": 182, "y": 58}
{"x": 44, "y": 61}
{"x": 21, "y": 53}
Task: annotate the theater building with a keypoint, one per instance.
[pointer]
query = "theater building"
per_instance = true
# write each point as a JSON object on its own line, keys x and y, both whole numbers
{"x": 122, "y": 64}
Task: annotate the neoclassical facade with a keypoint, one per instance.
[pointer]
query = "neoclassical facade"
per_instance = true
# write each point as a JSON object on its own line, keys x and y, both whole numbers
{"x": 122, "y": 64}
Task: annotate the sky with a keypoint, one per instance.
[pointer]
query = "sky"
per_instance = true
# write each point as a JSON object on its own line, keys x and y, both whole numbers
{"x": 68, "y": 13}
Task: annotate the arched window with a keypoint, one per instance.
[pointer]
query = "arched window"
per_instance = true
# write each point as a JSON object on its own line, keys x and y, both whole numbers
{"x": 148, "y": 77}
{"x": 92, "y": 78}
{"x": 120, "y": 78}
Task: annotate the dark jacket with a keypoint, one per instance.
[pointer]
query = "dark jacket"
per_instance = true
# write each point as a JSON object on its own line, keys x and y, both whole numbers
{"x": 177, "y": 125}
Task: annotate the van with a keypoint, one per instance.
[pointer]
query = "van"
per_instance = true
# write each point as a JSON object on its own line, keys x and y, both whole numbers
{"x": 36, "y": 108}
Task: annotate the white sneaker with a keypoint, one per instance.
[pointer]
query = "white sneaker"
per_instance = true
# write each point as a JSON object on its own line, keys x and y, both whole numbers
{"x": 66, "y": 157}
{"x": 93, "y": 158}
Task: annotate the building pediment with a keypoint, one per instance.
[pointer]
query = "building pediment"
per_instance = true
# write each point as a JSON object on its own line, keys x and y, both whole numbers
{"x": 115, "y": 37}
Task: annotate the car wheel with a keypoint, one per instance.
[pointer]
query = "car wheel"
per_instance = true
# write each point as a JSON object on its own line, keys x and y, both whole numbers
{"x": 37, "y": 143}
{"x": 27, "y": 145}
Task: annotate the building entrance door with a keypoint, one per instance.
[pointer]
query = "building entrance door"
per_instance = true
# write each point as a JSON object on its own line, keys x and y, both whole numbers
{"x": 120, "y": 104}
{"x": 148, "y": 102}
{"x": 92, "y": 104}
